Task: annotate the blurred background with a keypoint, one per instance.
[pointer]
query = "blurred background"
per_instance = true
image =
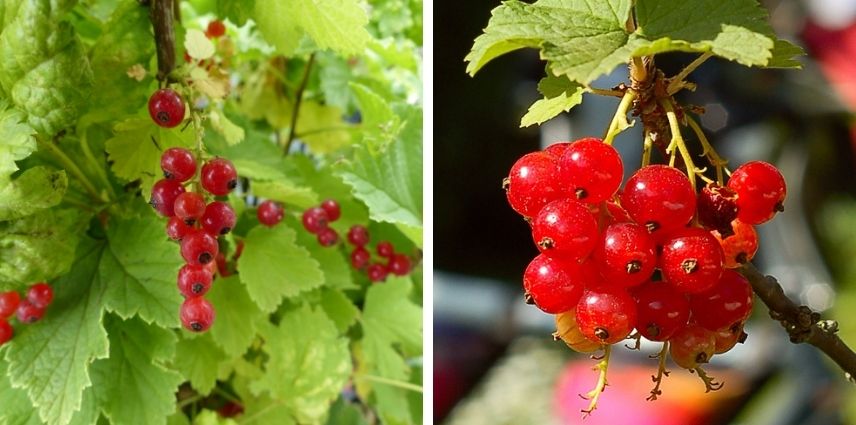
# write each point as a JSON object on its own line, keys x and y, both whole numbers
{"x": 495, "y": 360}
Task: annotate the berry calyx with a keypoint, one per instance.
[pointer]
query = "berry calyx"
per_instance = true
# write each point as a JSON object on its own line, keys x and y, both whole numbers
{"x": 40, "y": 295}
{"x": 385, "y": 249}
{"x": 270, "y": 213}
{"x": 215, "y": 29}
{"x": 194, "y": 280}
{"x": 399, "y": 265}
{"x": 9, "y": 302}
{"x": 358, "y": 235}
{"x": 692, "y": 346}
{"x": 625, "y": 254}
{"x": 176, "y": 228}
{"x": 29, "y": 313}
{"x": 717, "y": 208}
{"x": 606, "y": 315}
{"x": 591, "y": 169}
{"x": 164, "y": 194}
{"x": 6, "y": 332}
{"x": 555, "y": 285}
{"x": 199, "y": 247}
{"x": 568, "y": 331}
{"x": 197, "y": 314}
{"x": 219, "y": 176}
{"x": 532, "y": 183}
{"x": 219, "y": 218}
{"x": 565, "y": 228}
{"x": 660, "y": 198}
{"x": 178, "y": 164}
{"x": 314, "y": 219}
{"x": 760, "y": 191}
{"x": 332, "y": 209}
{"x": 691, "y": 260}
{"x": 726, "y": 304}
{"x": 327, "y": 237}
{"x": 661, "y": 310}
{"x": 741, "y": 246}
{"x": 360, "y": 257}
{"x": 377, "y": 272}
{"x": 189, "y": 206}
{"x": 166, "y": 108}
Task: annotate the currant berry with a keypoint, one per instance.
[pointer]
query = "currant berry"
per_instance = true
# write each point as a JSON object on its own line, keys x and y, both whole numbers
{"x": 660, "y": 198}
{"x": 727, "y": 338}
{"x": 727, "y": 303}
{"x": 219, "y": 218}
{"x": 332, "y": 209}
{"x": 164, "y": 194}
{"x": 532, "y": 183}
{"x": 717, "y": 208}
{"x": 692, "y": 346}
{"x": 219, "y": 176}
{"x": 605, "y": 314}
{"x": 360, "y": 257}
{"x": 555, "y": 285}
{"x": 176, "y": 228}
{"x": 178, "y": 164}
{"x": 40, "y": 295}
{"x": 315, "y": 219}
{"x": 625, "y": 254}
{"x": 222, "y": 265}
{"x": 166, "y": 108}
{"x": 189, "y": 206}
{"x": 9, "y": 302}
{"x": 197, "y": 314}
{"x": 557, "y": 149}
{"x": 399, "y": 265}
{"x": 760, "y": 191}
{"x": 194, "y": 280}
{"x": 377, "y": 272}
{"x": 385, "y": 249}
{"x": 741, "y": 246}
{"x": 591, "y": 169}
{"x": 29, "y": 313}
{"x": 617, "y": 214}
{"x": 327, "y": 237}
{"x": 660, "y": 309}
{"x": 199, "y": 247}
{"x": 692, "y": 260}
{"x": 568, "y": 331}
{"x": 358, "y": 235}
{"x": 215, "y": 29}
{"x": 6, "y": 332}
{"x": 270, "y": 213}
{"x": 565, "y": 228}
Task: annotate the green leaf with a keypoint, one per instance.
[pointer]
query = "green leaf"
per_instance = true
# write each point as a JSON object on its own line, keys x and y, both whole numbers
{"x": 560, "y": 95}
{"x": 783, "y": 55}
{"x": 339, "y": 308}
{"x": 344, "y": 413}
{"x": 322, "y": 127}
{"x": 198, "y": 359}
{"x": 50, "y": 360}
{"x": 308, "y": 364}
{"x": 323, "y": 180}
{"x": 237, "y": 11}
{"x": 135, "y": 371}
{"x": 338, "y": 25}
{"x": 276, "y": 20}
{"x": 37, "y": 188}
{"x": 231, "y": 132}
{"x": 273, "y": 266}
{"x": 284, "y": 190}
{"x": 235, "y": 326}
{"x": 17, "y": 409}
{"x": 335, "y": 265}
{"x": 17, "y": 136}
{"x": 210, "y": 417}
{"x": 380, "y": 124}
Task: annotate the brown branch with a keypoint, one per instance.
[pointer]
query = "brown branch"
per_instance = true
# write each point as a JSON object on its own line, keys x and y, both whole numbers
{"x": 299, "y": 97}
{"x": 801, "y": 324}
{"x": 162, "y": 16}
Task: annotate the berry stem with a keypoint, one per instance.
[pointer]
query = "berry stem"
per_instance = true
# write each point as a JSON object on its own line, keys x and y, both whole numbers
{"x": 619, "y": 120}
{"x": 677, "y": 83}
{"x": 661, "y": 372}
{"x": 647, "y": 144}
{"x": 292, "y": 131}
{"x": 678, "y": 143}
{"x": 594, "y": 394}
{"x": 710, "y": 383}
{"x": 712, "y": 156}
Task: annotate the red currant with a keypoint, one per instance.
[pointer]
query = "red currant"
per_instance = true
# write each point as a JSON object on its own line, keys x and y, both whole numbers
{"x": 377, "y": 272}
{"x": 40, "y": 295}
{"x": 270, "y": 213}
{"x": 691, "y": 260}
{"x": 9, "y": 302}
{"x": 197, "y": 314}
{"x": 565, "y": 228}
{"x": 385, "y": 249}
{"x": 557, "y": 149}
{"x": 222, "y": 265}
{"x": 189, "y": 206}
{"x": 727, "y": 338}
{"x": 555, "y": 285}
{"x": 360, "y": 257}
{"x": 725, "y": 304}
{"x": 29, "y": 313}
{"x": 760, "y": 191}
{"x": 591, "y": 169}
{"x": 6, "y": 332}
{"x": 178, "y": 164}
{"x": 215, "y": 29}
{"x": 194, "y": 280}
{"x": 692, "y": 346}
{"x": 717, "y": 207}
{"x": 332, "y": 209}
{"x": 660, "y": 198}
{"x": 166, "y": 108}
{"x": 617, "y": 214}
{"x": 625, "y": 254}
{"x": 219, "y": 176}
{"x": 399, "y": 265}
{"x": 741, "y": 246}
{"x": 568, "y": 331}
{"x": 219, "y": 218}
{"x": 532, "y": 183}
{"x": 199, "y": 247}
{"x": 315, "y": 219}
{"x": 358, "y": 235}
{"x": 661, "y": 310}
{"x": 176, "y": 228}
{"x": 164, "y": 194}
{"x": 605, "y": 314}
{"x": 327, "y": 237}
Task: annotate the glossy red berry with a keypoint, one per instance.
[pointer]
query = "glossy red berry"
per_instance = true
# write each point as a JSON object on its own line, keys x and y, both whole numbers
{"x": 178, "y": 164}
{"x": 760, "y": 191}
{"x": 557, "y": 149}
{"x": 199, "y": 247}
{"x": 555, "y": 285}
{"x": 617, "y": 214}
{"x": 230, "y": 410}
{"x": 219, "y": 218}
{"x": 215, "y": 29}
{"x": 741, "y": 246}
{"x": 661, "y": 310}
{"x": 692, "y": 346}
{"x": 315, "y": 219}
{"x": 625, "y": 254}
{"x": 591, "y": 169}
{"x": 377, "y": 272}
{"x": 532, "y": 183}
{"x": 727, "y": 338}
{"x": 189, "y": 206}
{"x": 6, "y": 332}
{"x": 9, "y": 302}
{"x": 565, "y": 228}
{"x": 194, "y": 280}
{"x": 40, "y": 295}
{"x": 385, "y": 249}
{"x": 332, "y": 209}
{"x": 358, "y": 235}
{"x": 197, "y": 314}
{"x": 166, "y": 108}
{"x": 219, "y": 176}
{"x": 606, "y": 314}
{"x": 164, "y": 194}
{"x": 399, "y": 265}
{"x": 660, "y": 198}
{"x": 29, "y": 313}
{"x": 176, "y": 228}
{"x": 692, "y": 260}
{"x": 717, "y": 208}
{"x": 327, "y": 237}
{"x": 360, "y": 257}
{"x": 270, "y": 213}
{"x": 726, "y": 304}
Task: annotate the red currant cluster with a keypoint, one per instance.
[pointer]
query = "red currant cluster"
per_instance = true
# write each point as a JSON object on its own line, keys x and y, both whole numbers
{"x": 599, "y": 250}
{"x": 196, "y": 225}
{"x": 29, "y": 310}
{"x": 316, "y": 220}
{"x": 397, "y": 263}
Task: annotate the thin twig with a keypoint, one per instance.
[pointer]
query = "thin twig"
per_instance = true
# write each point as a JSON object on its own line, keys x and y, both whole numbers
{"x": 294, "y": 113}
{"x": 162, "y": 16}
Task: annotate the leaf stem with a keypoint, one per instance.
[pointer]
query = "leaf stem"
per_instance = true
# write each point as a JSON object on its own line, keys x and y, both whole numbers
{"x": 391, "y": 382}
{"x": 99, "y": 170}
{"x": 299, "y": 97}
{"x": 677, "y": 82}
{"x": 619, "y": 120}
{"x": 678, "y": 142}
{"x": 71, "y": 167}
